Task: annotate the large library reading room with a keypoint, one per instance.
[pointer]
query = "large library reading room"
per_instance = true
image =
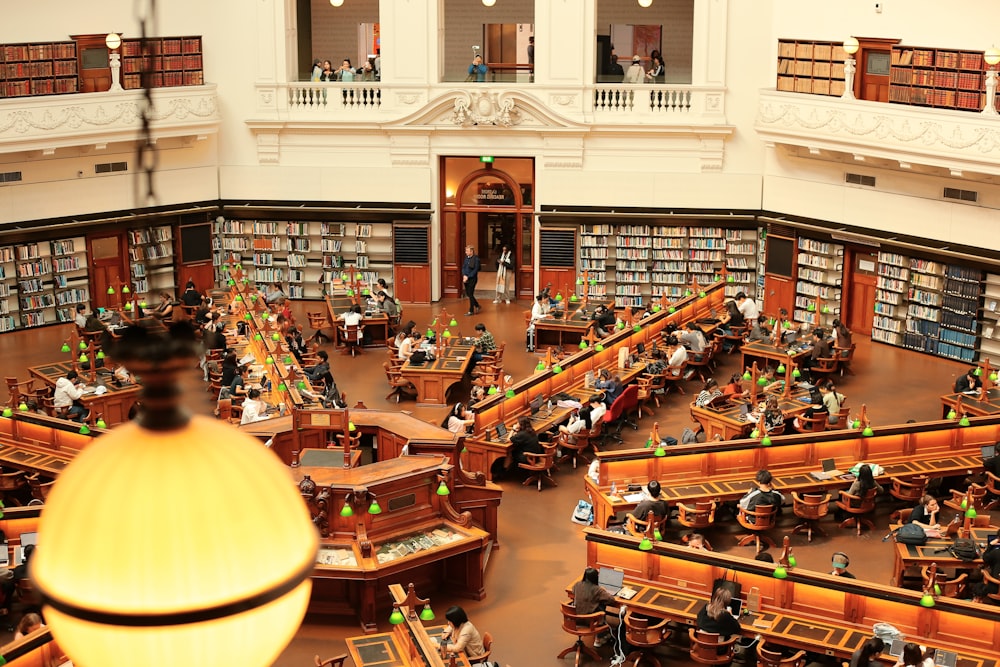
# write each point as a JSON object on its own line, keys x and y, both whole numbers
{"x": 500, "y": 333}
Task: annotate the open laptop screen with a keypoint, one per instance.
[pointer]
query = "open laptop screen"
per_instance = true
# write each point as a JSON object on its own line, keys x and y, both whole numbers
{"x": 610, "y": 577}
{"x": 536, "y": 404}
{"x": 501, "y": 431}
{"x": 736, "y": 606}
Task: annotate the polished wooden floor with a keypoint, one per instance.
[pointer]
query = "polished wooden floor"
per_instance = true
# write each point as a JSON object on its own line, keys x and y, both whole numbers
{"x": 541, "y": 550}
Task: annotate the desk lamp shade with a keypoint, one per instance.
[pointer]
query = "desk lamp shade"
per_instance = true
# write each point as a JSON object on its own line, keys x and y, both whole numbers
{"x": 781, "y": 368}
{"x": 126, "y": 574}
{"x": 952, "y": 414}
{"x": 645, "y": 544}
{"x": 964, "y": 421}
{"x": 443, "y": 489}
{"x": 492, "y": 390}
{"x": 64, "y": 348}
{"x": 8, "y": 411}
{"x": 746, "y": 375}
{"x": 453, "y": 323}
{"x": 510, "y": 392}
{"x": 427, "y": 614}
{"x": 599, "y": 347}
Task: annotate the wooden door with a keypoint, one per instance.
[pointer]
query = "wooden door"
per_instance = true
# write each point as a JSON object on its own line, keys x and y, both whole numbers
{"x": 92, "y": 63}
{"x": 871, "y": 82}
{"x": 108, "y": 268}
{"x": 779, "y": 274}
{"x": 557, "y": 260}
{"x": 859, "y": 289}
{"x": 779, "y": 292}
{"x": 411, "y": 277}
{"x": 195, "y": 253}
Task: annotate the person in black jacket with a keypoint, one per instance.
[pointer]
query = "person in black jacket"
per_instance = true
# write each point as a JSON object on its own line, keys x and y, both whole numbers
{"x": 470, "y": 276}
{"x": 715, "y": 616}
{"x": 969, "y": 382}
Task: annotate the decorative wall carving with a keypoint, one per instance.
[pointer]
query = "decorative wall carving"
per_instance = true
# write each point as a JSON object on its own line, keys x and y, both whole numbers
{"x": 485, "y": 108}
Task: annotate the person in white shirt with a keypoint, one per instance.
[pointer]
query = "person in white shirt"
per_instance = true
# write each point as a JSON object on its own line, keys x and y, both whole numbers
{"x": 409, "y": 346}
{"x": 67, "y": 394}
{"x": 353, "y": 317}
{"x": 692, "y": 337}
{"x": 678, "y": 355}
{"x": 254, "y": 409}
{"x": 539, "y": 309}
{"x": 81, "y": 315}
{"x": 747, "y": 307}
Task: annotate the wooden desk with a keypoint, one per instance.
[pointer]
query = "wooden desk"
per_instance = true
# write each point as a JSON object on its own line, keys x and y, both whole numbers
{"x": 433, "y": 379}
{"x": 764, "y": 350}
{"x": 386, "y": 650}
{"x": 807, "y": 610}
{"x": 726, "y": 423}
{"x": 37, "y": 649}
{"x": 570, "y": 328}
{"x": 114, "y": 405}
{"x": 988, "y": 405}
{"x": 724, "y": 470}
{"x": 376, "y": 325}
{"x": 934, "y": 551}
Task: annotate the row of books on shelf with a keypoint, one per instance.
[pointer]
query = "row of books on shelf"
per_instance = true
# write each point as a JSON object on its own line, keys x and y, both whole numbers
{"x": 148, "y": 63}
{"x": 164, "y": 79}
{"x": 828, "y": 292}
{"x": 152, "y": 251}
{"x": 38, "y": 69}
{"x": 168, "y": 45}
{"x": 39, "y": 87}
{"x": 47, "y": 51}
{"x": 817, "y": 276}
{"x": 39, "y": 268}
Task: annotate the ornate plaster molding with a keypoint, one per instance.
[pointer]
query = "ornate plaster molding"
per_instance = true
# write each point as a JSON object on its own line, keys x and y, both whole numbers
{"x": 486, "y": 108}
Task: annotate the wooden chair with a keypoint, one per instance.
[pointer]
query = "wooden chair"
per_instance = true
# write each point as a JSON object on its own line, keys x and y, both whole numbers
{"x": 815, "y": 424}
{"x": 950, "y": 588}
{"x": 859, "y": 507}
{"x": 909, "y": 490}
{"x": 824, "y": 366}
{"x": 810, "y": 508}
{"x": 617, "y": 414}
{"x": 993, "y": 489}
{"x": 757, "y": 520}
{"x": 841, "y": 421}
{"x": 978, "y": 493}
{"x": 702, "y": 367}
{"x": 736, "y": 337}
{"x": 638, "y": 525}
{"x": 644, "y": 637}
{"x": 699, "y": 517}
{"x": 901, "y": 515}
{"x": 845, "y": 355}
{"x": 39, "y": 489}
{"x": 673, "y": 377}
{"x": 318, "y": 321}
{"x": 650, "y": 387}
{"x": 10, "y": 483}
{"x": 337, "y": 661}
{"x": 229, "y": 412}
{"x": 708, "y": 648}
{"x": 19, "y": 390}
{"x": 487, "y": 650}
{"x": 581, "y": 625}
{"x": 766, "y": 657}
{"x": 540, "y": 466}
{"x": 401, "y": 387}
{"x": 351, "y": 334}
{"x": 990, "y": 579}
{"x": 573, "y": 447}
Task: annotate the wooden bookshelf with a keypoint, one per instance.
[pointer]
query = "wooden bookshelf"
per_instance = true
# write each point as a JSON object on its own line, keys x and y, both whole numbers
{"x": 808, "y": 66}
{"x": 170, "y": 62}
{"x": 632, "y": 264}
{"x": 891, "y": 293}
{"x": 820, "y": 274}
{"x": 989, "y": 343}
{"x": 670, "y": 265}
{"x": 8, "y": 288}
{"x": 47, "y": 68}
{"x": 69, "y": 276}
{"x": 34, "y": 288}
{"x": 593, "y": 241}
{"x": 943, "y": 78}
{"x": 151, "y": 255}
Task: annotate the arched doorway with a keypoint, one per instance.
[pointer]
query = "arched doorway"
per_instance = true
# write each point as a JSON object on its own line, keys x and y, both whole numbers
{"x": 488, "y": 209}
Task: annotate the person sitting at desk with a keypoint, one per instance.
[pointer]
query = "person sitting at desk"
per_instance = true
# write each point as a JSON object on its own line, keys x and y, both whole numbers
{"x": 716, "y": 617}
{"x": 839, "y": 561}
{"x": 925, "y": 514}
{"x": 657, "y": 363}
{"x": 832, "y": 400}
{"x": 67, "y": 396}
{"x": 589, "y": 597}
{"x": 382, "y": 286}
{"x": 678, "y": 355}
{"x": 296, "y": 344}
{"x": 316, "y": 373}
{"x": 254, "y": 409}
{"x": 273, "y": 293}
{"x": 816, "y": 406}
{"x": 191, "y": 297}
{"x": 734, "y": 389}
{"x": 409, "y": 345}
{"x": 970, "y": 383}
{"x": 708, "y": 393}
{"x": 28, "y": 624}
{"x": 385, "y": 304}
{"x": 697, "y": 541}
{"x": 759, "y": 331}
{"x": 604, "y": 321}
{"x": 693, "y": 339}
{"x": 460, "y": 419}
{"x": 230, "y": 363}
{"x": 165, "y": 310}
{"x": 991, "y": 562}
{"x": 485, "y": 343}
{"x": 353, "y": 317}
{"x": 524, "y": 440}
{"x": 762, "y": 494}
{"x": 95, "y": 325}
{"x": 841, "y": 335}
{"x": 915, "y": 655}
{"x": 820, "y": 350}
{"x": 461, "y": 635}
{"x": 867, "y": 654}
{"x": 651, "y": 503}
{"x": 81, "y": 315}
{"x": 611, "y": 385}
{"x": 771, "y": 411}
{"x": 747, "y": 307}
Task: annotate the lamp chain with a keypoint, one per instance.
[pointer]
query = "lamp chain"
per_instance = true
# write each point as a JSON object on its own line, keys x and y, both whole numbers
{"x": 146, "y": 155}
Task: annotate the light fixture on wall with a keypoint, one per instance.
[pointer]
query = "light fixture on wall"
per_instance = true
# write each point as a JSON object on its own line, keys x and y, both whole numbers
{"x": 992, "y": 58}
{"x": 113, "y": 41}
{"x": 336, "y": 3}
{"x": 851, "y": 47}
{"x": 645, "y": 3}
{"x": 489, "y": 3}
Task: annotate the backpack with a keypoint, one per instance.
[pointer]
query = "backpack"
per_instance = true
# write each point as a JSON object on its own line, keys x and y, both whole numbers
{"x": 583, "y": 513}
{"x": 911, "y": 533}
{"x": 964, "y": 549}
{"x": 688, "y": 437}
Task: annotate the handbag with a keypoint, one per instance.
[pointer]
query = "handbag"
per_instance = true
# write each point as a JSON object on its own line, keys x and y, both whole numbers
{"x": 911, "y": 533}
{"x": 734, "y": 587}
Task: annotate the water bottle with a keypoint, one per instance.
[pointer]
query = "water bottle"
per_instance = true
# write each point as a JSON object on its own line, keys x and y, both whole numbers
{"x": 614, "y": 489}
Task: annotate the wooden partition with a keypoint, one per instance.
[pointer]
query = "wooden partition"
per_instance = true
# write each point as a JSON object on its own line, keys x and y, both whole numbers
{"x": 808, "y": 610}
{"x": 38, "y": 649}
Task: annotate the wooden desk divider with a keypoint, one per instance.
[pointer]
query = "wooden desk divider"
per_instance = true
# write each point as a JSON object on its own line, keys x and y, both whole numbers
{"x": 988, "y": 374}
{"x": 809, "y": 610}
{"x": 308, "y": 424}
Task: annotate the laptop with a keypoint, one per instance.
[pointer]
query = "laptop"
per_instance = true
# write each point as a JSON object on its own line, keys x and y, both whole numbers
{"x": 536, "y": 404}
{"x": 501, "y": 432}
{"x": 896, "y": 647}
{"x": 829, "y": 470}
{"x": 736, "y": 606}
{"x": 989, "y": 451}
{"x": 611, "y": 580}
{"x": 790, "y": 336}
{"x": 744, "y": 411}
{"x": 26, "y": 539}
{"x": 944, "y": 658}
{"x": 640, "y": 349}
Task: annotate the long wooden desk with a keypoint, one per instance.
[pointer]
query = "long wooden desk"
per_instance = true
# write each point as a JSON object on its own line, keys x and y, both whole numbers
{"x": 433, "y": 379}
{"x": 807, "y": 610}
{"x": 725, "y": 470}
{"x": 386, "y": 650}
{"x": 114, "y": 404}
{"x": 37, "y": 443}
{"x": 979, "y": 407}
{"x": 725, "y": 421}
{"x": 934, "y": 551}
{"x": 376, "y": 325}
{"x": 569, "y": 328}
{"x": 760, "y": 349}
{"x": 37, "y": 649}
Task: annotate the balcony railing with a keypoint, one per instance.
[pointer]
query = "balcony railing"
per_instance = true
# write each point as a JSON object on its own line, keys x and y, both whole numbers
{"x": 909, "y": 135}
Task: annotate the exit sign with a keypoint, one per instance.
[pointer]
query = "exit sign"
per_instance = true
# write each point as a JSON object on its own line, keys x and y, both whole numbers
{"x": 486, "y": 159}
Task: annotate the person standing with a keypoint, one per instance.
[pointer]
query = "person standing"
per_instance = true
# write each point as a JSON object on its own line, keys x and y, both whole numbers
{"x": 346, "y": 72}
{"x": 505, "y": 274}
{"x": 655, "y": 73}
{"x": 477, "y": 70}
{"x": 635, "y": 73}
{"x": 470, "y": 276}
